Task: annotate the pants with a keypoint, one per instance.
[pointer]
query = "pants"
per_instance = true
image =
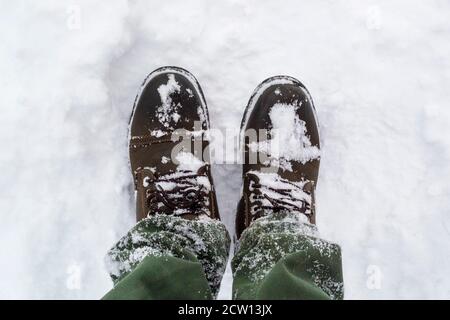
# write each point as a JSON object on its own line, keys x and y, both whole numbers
{"x": 277, "y": 257}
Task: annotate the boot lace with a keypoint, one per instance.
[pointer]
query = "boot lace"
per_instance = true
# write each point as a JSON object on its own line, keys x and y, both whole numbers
{"x": 180, "y": 193}
{"x": 275, "y": 194}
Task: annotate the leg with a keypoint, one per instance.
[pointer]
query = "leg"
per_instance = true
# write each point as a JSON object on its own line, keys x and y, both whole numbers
{"x": 281, "y": 257}
{"x": 167, "y": 257}
{"x": 179, "y": 248}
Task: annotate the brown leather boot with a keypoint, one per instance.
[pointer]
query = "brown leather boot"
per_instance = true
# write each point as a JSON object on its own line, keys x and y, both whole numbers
{"x": 281, "y": 150}
{"x": 167, "y": 144}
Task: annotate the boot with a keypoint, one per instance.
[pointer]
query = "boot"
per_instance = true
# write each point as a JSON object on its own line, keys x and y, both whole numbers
{"x": 167, "y": 146}
{"x": 281, "y": 151}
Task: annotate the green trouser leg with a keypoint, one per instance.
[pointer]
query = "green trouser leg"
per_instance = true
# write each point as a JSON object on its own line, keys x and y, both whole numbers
{"x": 167, "y": 257}
{"x": 281, "y": 257}
{"x": 278, "y": 257}
{"x": 159, "y": 278}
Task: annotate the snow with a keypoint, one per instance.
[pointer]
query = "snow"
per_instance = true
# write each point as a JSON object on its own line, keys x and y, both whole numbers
{"x": 165, "y": 159}
{"x": 379, "y": 75}
{"x": 289, "y": 139}
{"x": 187, "y": 161}
{"x": 157, "y": 133}
{"x": 165, "y": 90}
{"x": 167, "y": 111}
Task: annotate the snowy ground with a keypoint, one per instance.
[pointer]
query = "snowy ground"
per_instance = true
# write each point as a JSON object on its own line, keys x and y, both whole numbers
{"x": 379, "y": 72}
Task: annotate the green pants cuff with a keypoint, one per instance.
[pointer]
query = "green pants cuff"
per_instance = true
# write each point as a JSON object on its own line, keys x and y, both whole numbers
{"x": 169, "y": 256}
{"x": 159, "y": 278}
{"x": 282, "y": 257}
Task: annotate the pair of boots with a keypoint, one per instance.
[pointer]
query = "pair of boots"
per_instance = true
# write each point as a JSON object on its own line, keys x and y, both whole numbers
{"x": 179, "y": 247}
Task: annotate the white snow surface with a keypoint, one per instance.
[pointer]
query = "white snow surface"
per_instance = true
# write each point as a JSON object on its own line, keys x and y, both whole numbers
{"x": 379, "y": 74}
